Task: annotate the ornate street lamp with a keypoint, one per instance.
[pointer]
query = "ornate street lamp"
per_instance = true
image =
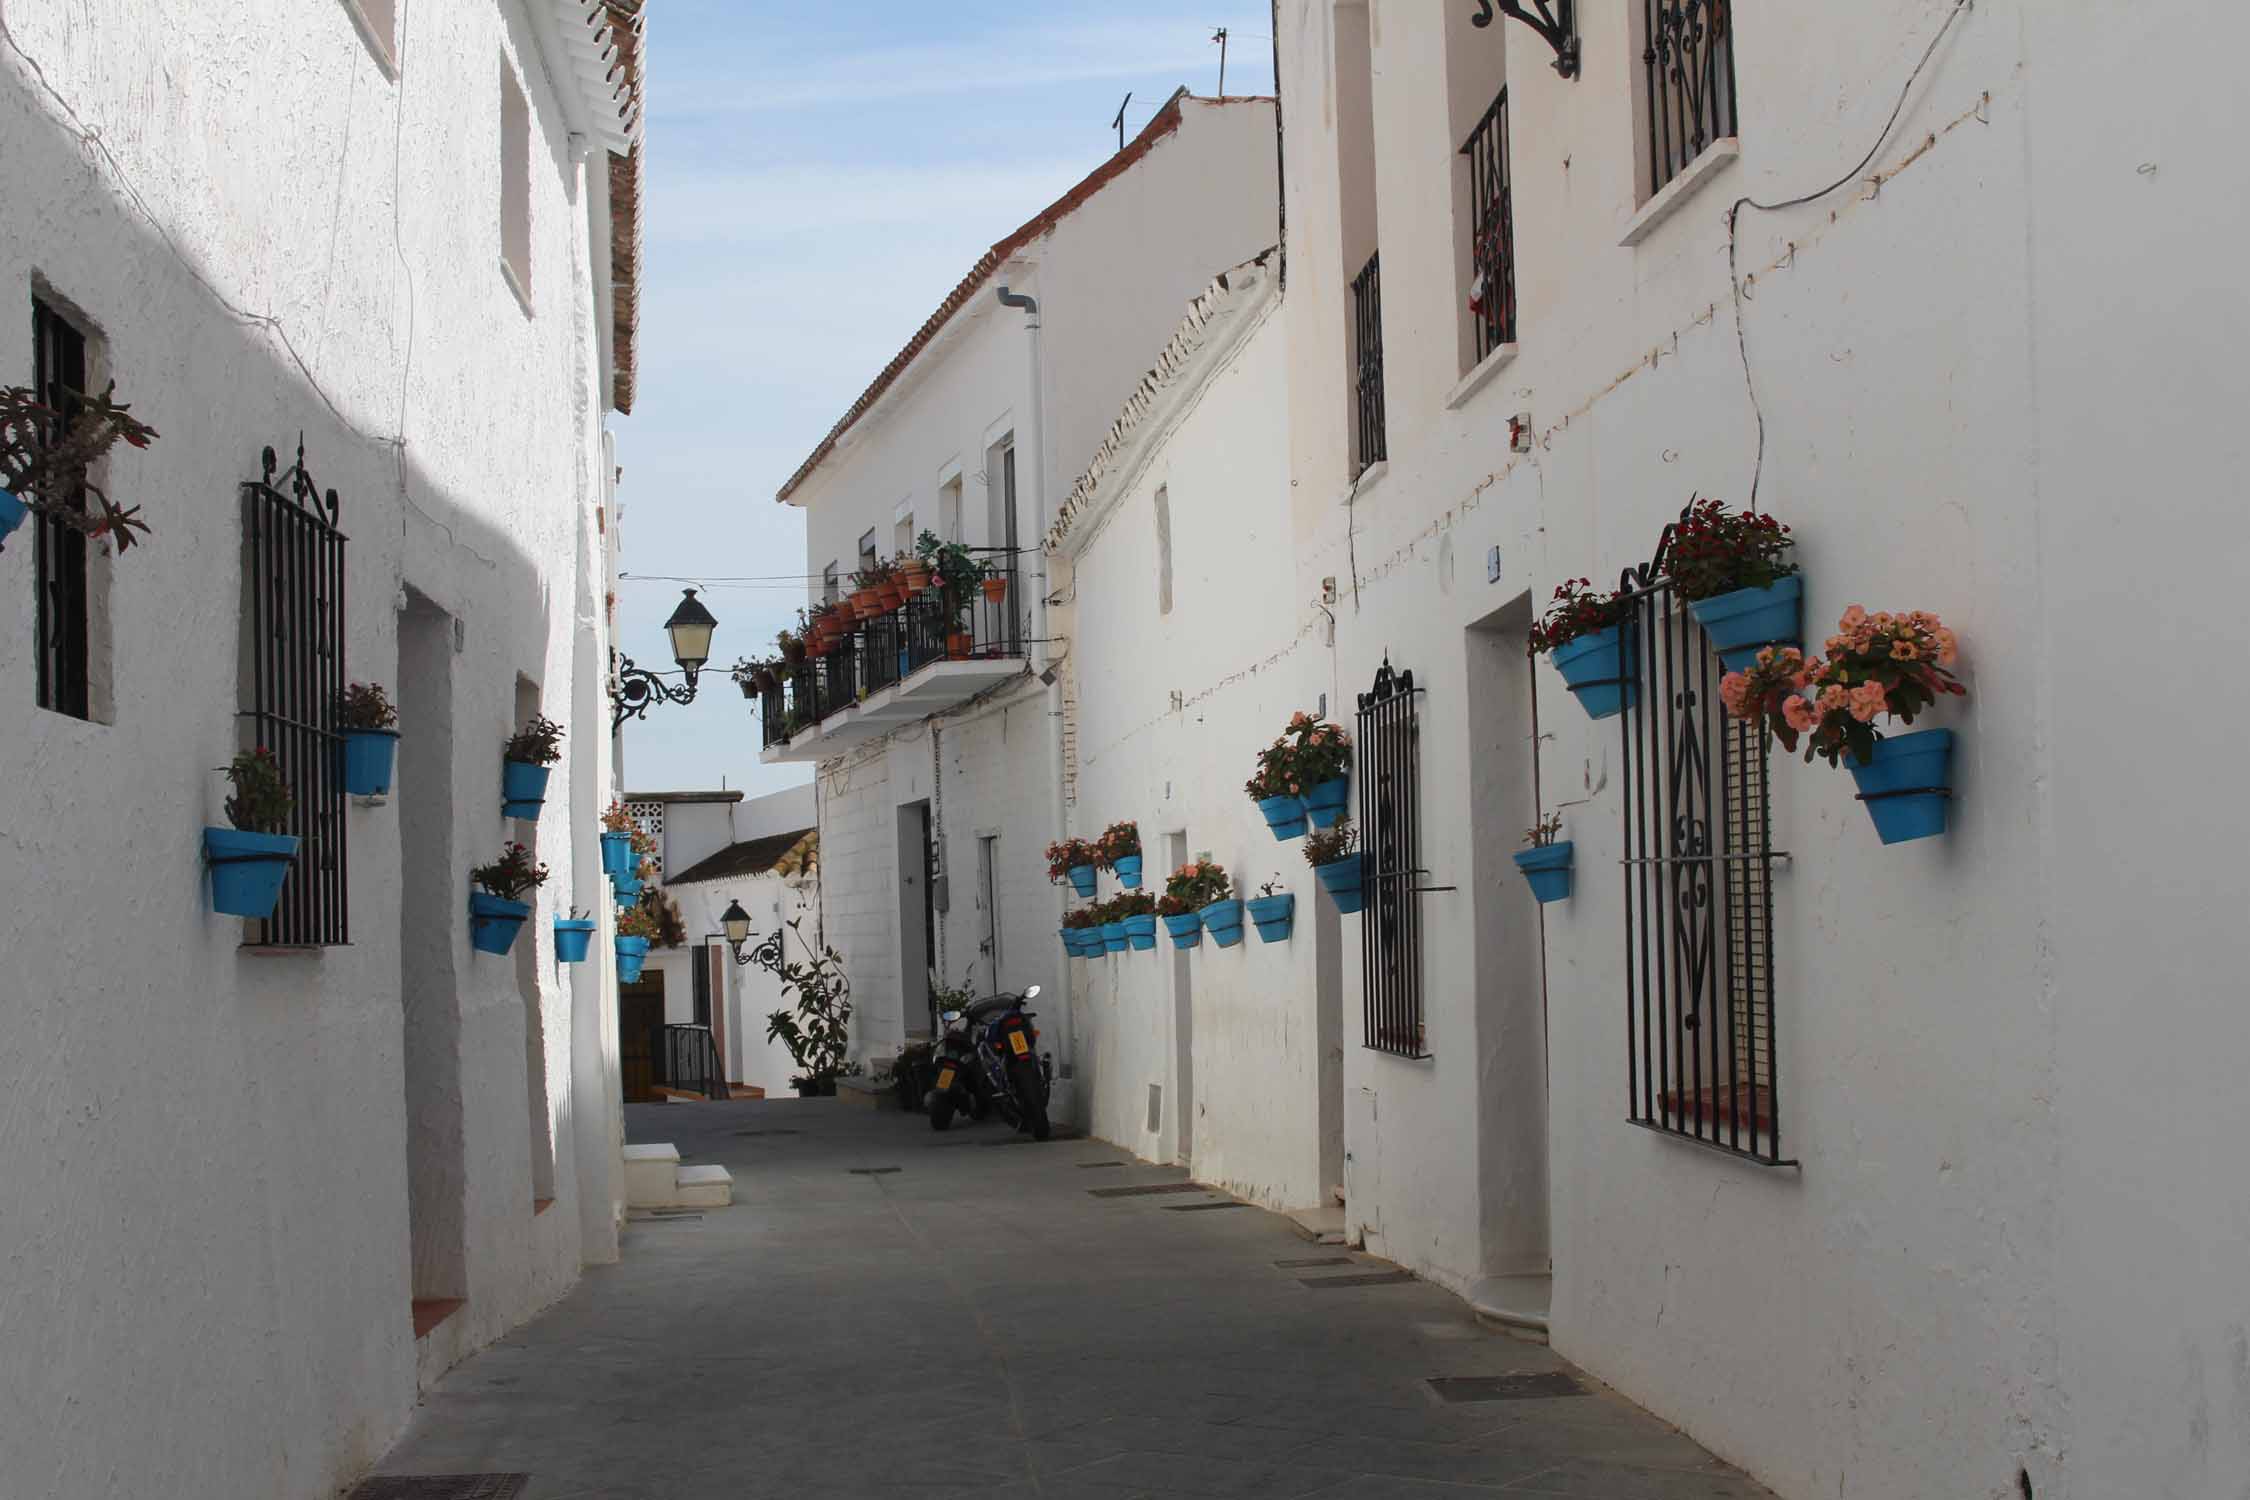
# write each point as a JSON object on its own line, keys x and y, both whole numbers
{"x": 735, "y": 923}
{"x": 637, "y": 690}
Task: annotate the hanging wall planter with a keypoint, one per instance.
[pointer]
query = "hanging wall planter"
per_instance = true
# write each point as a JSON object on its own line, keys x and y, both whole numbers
{"x": 617, "y": 854}
{"x": 12, "y": 512}
{"x": 247, "y": 869}
{"x": 1326, "y": 804}
{"x": 1082, "y": 879}
{"x": 1186, "y": 928}
{"x": 1343, "y": 880}
{"x": 1140, "y": 931}
{"x": 1284, "y": 815}
{"x": 530, "y": 754}
{"x": 494, "y": 921}
{"x": 1274, "y": 915}
{"x": 573, "y": 937}
{"x": 1909, "y": 784}
{"x": 1128, "y": 868}
{"x": 1600, "y": 669}
{"x": 628, "y": 888}
{"x": 1546, "y": 869}
{"x": 1113, "y": 937}
{"x": 1223, "y": 920}
{"x": 1743, "y": 623}
{"x": 632, "y": 952}
{"x": 369, "y": 755}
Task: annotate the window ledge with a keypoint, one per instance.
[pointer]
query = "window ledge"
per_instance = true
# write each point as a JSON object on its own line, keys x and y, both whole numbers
{"x": 1476, "y": 380}
{"x": 1716, "y": 158}
{"x": 281, "y": 950}
{"x": 523, "y": 293}
{"x": 1369, "y": 477}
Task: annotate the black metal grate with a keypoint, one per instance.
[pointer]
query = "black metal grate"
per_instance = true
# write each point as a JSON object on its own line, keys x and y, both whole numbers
{"x": 1389, "y": 774}
{"x": 1689, "y": 57}
{"x": 1492, "y": 230}
{"x": 59, "y": 549}
{"x": 1535, "y": 1385}
{"x": 442, "y": 1487}
{"x": 691, "y": 1061}
{"x": 293, "y": 574}
{"x": 1367, "y": 356}
{"x": 1698, "y": 872}
{"x": 1145, "y": 1190}
{"x": 1371, "y": 1278}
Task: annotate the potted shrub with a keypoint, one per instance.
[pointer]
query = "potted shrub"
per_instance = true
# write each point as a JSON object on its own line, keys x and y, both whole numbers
{"x": 1274, "y": 910}
{"x": 955, "y": 573}
{"x": 364, "y": 717}
{"x": 497, "y": 909}
{"x": 1135, "y": 911}
{"x": 1274, "y": 787}
{"x": 1120, "y": 850}
{"x": 574, "y": 934}
{"x": 1879, "y": 664}
{"x": 1733, "y": 570}
{"x": 817, "y": 1032}
{"x": 636, "y": 930}
{"x": 250, "y": 860}
{"x": 1321, "y": 763}
{"x": 1074, "y": 860}
{"x": 525, "y": 765}
{"x": 1220, "y": 911}
{"x": 44, "y": 463}
{"x": 1179, "y": 919}
{"x": 1546, "y": 861}
{"x": 1584, "y": 635}
{"x": 1334, "y": 856}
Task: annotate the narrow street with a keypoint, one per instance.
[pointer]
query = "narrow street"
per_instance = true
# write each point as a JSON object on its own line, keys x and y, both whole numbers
{"x": 884, "y": 1310}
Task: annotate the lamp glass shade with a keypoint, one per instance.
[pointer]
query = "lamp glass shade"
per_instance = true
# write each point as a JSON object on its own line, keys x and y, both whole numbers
{"x": 735, "y": 922}
{"x": 690, "y": 629}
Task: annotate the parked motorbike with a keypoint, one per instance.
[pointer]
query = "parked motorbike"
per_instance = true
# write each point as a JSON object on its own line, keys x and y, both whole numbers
{"x": 959, "y": 1083}
{"x": 1020, "y": 1077}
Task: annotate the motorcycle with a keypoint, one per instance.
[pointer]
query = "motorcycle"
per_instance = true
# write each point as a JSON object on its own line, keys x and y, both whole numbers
{"x": 959, "y": 1083}
{"x": 988, "y": 1059}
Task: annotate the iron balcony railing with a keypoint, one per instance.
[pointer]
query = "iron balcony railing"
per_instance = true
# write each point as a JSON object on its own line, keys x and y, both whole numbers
{"x": 691, "y": 1062}
{"x": 885, "y": 649}
{"x": 1492, "y": 230}
{"x": 1689, "y": 59}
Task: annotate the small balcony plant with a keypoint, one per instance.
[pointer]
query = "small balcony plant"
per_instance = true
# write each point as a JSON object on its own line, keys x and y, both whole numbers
{"x": 367, "y": 722}
{"x": 1119, "y": 850}
{"x": 913, "y": 573}
{"x": 1545, "y": 860}
{"x": 44, "y": 463}
{"x": 1074, "y": 860}
{"x": 525, "y": 764}
{"x": 1320, "y": 761}
{"x": 791, "y": 643}
{"x": 957, "y": 574}
{"x": 1880, "y": 665}
{"x": 250, "y": 859}
{"x": 1335, "y": 858}
{"x": 873, "y": 589}
{"x": 1583, "y": 633}
{"x": 756, "y": 676}
{"x": 1273, "y": 911}
{"x": 497, "y": 910}
{"x": 1733, "y": 569}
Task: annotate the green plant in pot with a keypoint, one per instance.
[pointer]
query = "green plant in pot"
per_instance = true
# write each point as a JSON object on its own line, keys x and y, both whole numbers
{"x": 525, "y": 764}
{"x": 44, "y": 460}
{"x": 959, "y": 576}
{"x": 1545, "y": 861}
{"x": 818, "y": 1029}
{"x": 1733, "y": 569}
{"x": 250, "y": 860}
{"x": 367, "y": 723}
{"x": 497, "y": 908}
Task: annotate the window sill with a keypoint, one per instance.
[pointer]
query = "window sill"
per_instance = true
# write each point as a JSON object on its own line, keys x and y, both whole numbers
{"x": 1716, "y": 157}
{"x": 1369, "y": 477}
{"x": 523, "y": 293}
{"x": 282, "y": 950}
{"x": 1476, "y": 380}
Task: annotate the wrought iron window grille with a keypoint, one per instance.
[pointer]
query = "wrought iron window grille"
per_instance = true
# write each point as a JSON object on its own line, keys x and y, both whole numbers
{"x": 59, "y": 551}
{"x": 1556, "y": 23}
{"x": 293, "y": 569}
{"x": 1367, "y": 350}
{"x": 1389, "y": 777}
{"x": 1697, "y": 866}
{"x": 1492, "y": 230}
{"x": 1689, "y": 59}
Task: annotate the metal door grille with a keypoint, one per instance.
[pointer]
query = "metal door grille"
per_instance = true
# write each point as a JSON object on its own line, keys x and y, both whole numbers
{"x": 1698, "y": 872}
{"x": 1689, "y": 57}
{"x": 294, "y": 573}
{"x": 1389, "y": 774}
{"x": 1492, "y": 229}
{"x": 1367, "y": 353}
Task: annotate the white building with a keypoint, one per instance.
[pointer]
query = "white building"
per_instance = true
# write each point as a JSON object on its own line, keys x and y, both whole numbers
{"x": 266, "y": 1182}
{"x": 939, "y": 779}
{"x": 1956, "y": 1240}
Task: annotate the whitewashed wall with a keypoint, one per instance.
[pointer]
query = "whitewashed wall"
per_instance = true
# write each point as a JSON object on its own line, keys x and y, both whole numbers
{"x": 206, "y": 1149}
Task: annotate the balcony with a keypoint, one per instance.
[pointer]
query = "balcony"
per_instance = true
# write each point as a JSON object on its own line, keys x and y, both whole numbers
{"x": 903, "y": 664}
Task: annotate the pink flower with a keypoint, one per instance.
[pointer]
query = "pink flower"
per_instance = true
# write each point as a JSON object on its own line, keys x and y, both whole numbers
{"x": 1868, "y": 700}
{"x": 1734, "y": 686}
{"x": 1800, "y": 715}
{"x": 1853, "y": 618}
{"x": 1948, "y": 647}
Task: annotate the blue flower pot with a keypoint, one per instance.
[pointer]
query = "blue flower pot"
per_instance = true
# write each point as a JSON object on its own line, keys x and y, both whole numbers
{"x": 632, "y": 952}
{"x": 368, "y": 756}
{"x": 1546, "y": 871}
{"x": 1744, "y": 622}
{"x": 247, "y": 869}
{"x": 1344, "y": 879}
{"x": 1128, "y": 869}
{"x": 572, "y": 939}
{"x": 1223, "y": 920}
{"x": 1908, "y": 785}
{"x": 523, "y": 788}
{"x": 1114, "y": 939}
{"x": 1081, "y": 879}
{"x": 1327, "y": 803}
{"x": 628, "y": 888}
{"x": 12, "y": 512}
{"x": 1186, "y": 929}
{"x": 1274, "y": 915}
{"x": 1284, "y": 815}
{"x": 1141, "y": 931}
{"x": 1599, "y": 670}
{"x": 495, "y": 921}
{"x": 617, "y": 854}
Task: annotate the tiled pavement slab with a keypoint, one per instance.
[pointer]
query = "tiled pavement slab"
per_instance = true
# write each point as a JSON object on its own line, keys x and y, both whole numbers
{"x": 982, "y": 1325}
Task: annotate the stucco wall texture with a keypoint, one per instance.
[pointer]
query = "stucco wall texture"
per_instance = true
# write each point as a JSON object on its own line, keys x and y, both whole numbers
{"x": 207, "y": 1245}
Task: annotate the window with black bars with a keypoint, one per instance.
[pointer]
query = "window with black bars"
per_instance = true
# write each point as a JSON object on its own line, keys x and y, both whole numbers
{"x": 1492, "y": 231}
{"x": 1688, "y": 54}
{"x": 1367, "y": 353}
{"x": 1698, "y": 868}
{"x": 59, "y": 560}
{"x": 1389, "y": 774}
{"x": 293, "y": 642}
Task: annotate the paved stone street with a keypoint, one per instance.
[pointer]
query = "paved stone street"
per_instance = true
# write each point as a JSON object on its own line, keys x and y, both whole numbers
{"x": 889, "y": 1311}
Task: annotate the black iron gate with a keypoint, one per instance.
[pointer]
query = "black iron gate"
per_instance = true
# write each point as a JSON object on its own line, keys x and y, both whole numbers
{"x": 293, "y": 574}
{"x": 1698, "y": 870}
{"x": 1389, "y": 773}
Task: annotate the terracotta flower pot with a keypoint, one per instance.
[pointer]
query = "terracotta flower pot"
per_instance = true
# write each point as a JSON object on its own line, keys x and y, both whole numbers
{"x": 893, "y": 594}
{"x": 915, "y": 576}
{"x": 867, "y": 603}
{"x": 996, "y": 589}
{"x": 957, "y": 644}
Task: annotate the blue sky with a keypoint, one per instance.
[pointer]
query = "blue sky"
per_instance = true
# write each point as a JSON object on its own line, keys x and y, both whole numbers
{"x": 819, "y": 176}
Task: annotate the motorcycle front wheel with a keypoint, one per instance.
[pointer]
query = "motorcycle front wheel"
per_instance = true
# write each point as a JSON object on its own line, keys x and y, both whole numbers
{"x": 941, "y": 1111}
{"x": 1031, "y": 1096}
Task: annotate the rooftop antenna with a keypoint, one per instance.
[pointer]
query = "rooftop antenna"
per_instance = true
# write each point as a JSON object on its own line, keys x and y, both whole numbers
{"x": 1119, "y": 122}
{"x": 1220, "y": 36}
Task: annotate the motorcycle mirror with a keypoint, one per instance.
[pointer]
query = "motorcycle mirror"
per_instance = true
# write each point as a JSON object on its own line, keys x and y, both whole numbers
{"x": 949, "y": 1016}
{"x": 1032, "y": 993}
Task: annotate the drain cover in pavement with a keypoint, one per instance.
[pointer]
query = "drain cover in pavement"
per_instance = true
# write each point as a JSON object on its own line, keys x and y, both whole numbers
{"x": 1194, "y": 1208}
{"x": 1372, "y": 1278}
{"x": 871, "y": 1171}
{"x": 1088, "y": 1166}
{"x": 1145, "y": 1190}
{"x": 1457, "y": 1388}
{"x": 1306, "y": 1265}
{"x": 442, "y": 1487}
{"x": 769, "y": 1132}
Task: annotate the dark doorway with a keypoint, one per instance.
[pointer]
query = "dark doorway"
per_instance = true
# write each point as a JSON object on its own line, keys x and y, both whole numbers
{"x": 640, "y": 1037}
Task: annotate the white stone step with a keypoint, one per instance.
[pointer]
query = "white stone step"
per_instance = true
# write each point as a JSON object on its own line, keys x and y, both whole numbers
{"x": 710, "y": 1186}
{"x": 651, "y": 1175}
